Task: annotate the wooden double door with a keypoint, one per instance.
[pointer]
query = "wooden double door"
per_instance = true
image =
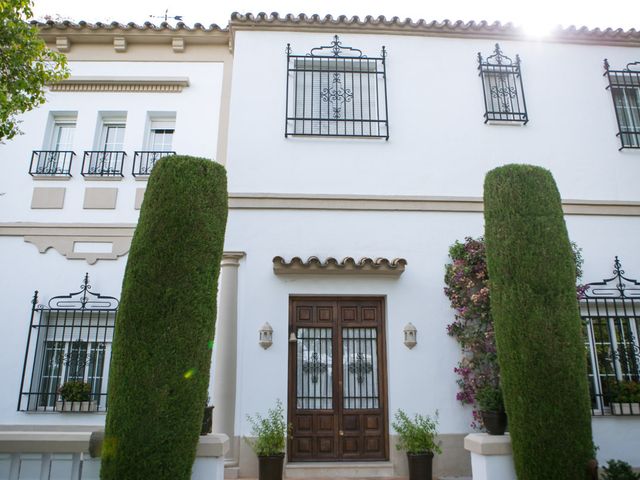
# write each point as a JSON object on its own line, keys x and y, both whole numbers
{"x": 337, "y": 379}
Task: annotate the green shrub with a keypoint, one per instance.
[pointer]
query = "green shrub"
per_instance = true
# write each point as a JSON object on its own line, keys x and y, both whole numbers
{"x": 490, "y": 399}
{"x": 270, "y": 432}
{"x": 619, "y": 470}
{"x": 165, "y": 326}
{"x": 626, "y": 391}
{"x": 75, "y": 391}
{"x": 417, "y": 435}
{"x": 537, "y": 324}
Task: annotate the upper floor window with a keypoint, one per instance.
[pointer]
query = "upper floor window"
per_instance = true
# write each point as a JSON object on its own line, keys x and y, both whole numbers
{"x": 336, "y": 91}
{"x": 502, "y": 87}
{"x": 161, "y": 135}
{"x": 108, "y": 158}
{"x": 625, "y": 91}
{"x": 158, "y": 144}
{"x": 69, "y": 348}
{"x": 55, "y": 159}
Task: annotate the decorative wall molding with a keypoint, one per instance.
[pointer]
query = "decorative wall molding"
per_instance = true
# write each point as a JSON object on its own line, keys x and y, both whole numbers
{"x": 63, "y": 237}
{"x": 331, "y": 266}
{"x": 121, "y": 84}
{"x": 402, "y": 203}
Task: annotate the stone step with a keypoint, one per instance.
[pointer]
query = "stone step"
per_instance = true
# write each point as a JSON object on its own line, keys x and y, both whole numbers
{"x": 341, "y": 470}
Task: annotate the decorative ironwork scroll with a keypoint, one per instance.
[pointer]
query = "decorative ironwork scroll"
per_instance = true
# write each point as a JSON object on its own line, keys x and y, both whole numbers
{"x": 502, "y": 87}
{"x": 336, "y": 90}
{"x": 83, "y": 299}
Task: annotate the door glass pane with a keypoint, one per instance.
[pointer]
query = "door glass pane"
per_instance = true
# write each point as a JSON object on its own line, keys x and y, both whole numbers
{"x": 360, "y": 368}
{"x": 314, "y": 369}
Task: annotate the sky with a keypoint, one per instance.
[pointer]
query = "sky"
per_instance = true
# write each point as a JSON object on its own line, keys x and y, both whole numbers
{"x": 535, "y": 16}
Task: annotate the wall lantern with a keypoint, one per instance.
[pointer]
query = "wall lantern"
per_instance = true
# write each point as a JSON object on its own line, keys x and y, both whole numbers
{"x": 266, "y": 336}
{"x": 410, "y": 335}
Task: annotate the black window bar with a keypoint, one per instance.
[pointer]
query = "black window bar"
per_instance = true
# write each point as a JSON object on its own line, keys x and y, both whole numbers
{"x": 103, "y": 163}
{"x": 144, "y": 161}
{"x": 336, "y": 91}
{"x": 610, "y": 312}
{"x": 69, "y": 340}
{"x": 51, "y": 163}
{"x": 502, "y": 88}
{"x": 625, "y": 91}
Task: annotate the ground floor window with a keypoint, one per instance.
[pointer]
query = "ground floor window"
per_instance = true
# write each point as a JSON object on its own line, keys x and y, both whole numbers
{"x": 68, "y": 352}
{"x": 610, "y": 312}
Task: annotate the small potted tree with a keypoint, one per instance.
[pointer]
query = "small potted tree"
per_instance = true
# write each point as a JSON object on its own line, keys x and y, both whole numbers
{"x": 625, "y": 398}
{"x": 269, "y": 439}
{"x": 418, "y": 438}
{"x": 492, "y": 410}
{"x": 75, "y": 396}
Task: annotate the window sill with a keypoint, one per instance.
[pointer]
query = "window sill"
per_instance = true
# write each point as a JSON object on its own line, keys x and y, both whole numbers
{"x": 55, "y": 178}
{"x": 103, "y": 178}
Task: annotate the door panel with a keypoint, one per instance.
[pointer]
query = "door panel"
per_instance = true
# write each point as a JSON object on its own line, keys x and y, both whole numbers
{"x": 337, "y": 379}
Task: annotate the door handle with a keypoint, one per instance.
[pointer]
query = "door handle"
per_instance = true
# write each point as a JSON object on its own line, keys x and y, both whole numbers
{"x": 341, "y": 433}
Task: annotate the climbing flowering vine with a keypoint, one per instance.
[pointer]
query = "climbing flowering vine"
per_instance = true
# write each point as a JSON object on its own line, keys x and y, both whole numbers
{"x": 467, "y": 287}
{"x": 468, "y": 291}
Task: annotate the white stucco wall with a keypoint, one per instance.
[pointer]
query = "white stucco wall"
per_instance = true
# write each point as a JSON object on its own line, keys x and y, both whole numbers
{"x": 197, "y": 110}
{"x": 421, "y": 379}
{"x": 438, "y": 142}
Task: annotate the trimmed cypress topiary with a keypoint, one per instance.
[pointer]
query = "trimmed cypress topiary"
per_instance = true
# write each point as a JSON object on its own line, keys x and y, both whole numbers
{"x": 164, "y": 333}
{"x": 537, "y": 324}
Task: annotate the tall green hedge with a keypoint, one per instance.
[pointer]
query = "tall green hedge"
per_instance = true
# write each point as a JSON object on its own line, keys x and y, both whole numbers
{"x": 537, "y": 324}
{"x": 165, "y": 325}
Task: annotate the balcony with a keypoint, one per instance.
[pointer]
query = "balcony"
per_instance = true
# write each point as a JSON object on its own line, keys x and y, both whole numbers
{"x": 103, "y": 164}
{"x": 144, "y": 161}
{"x": 51, "y": 163}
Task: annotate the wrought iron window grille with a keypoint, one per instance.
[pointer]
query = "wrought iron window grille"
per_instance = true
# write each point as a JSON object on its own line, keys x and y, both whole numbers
{"x": 610, "y": 311}
{"x": 144, "y": 161}
{"x": 502, "y": 88}
{"x": 51, "y": 163}
{"x": 69, "y": 339}
{"x": 625, "y": 92}
{"x": 336, "y": 91}
{"x": 103, "y": 163}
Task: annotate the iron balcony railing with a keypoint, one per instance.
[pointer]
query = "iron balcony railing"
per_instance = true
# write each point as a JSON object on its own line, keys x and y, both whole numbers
{"x": 502, "y": 88}
{"x": 336, "y": 91}
{"x": 51, "y": 163}
{"x": 610, "y": 312}
{"x": 144, "y": 161}
{"x": 68, "y": 343}
{"x": 624, "y": 86}
{"x": 103, "y": 163}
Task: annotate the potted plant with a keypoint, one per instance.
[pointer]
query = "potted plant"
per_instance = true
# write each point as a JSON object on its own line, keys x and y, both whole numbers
{"x": 75, "y": 396}
{"x": 619, "y": 470}
{"x": 492, "y": 411}
{"x": 418, "y": 438}
{"x": 625, "y": 398}
{"x": 207, "y": 419}
{"x": 269, "y": 439}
